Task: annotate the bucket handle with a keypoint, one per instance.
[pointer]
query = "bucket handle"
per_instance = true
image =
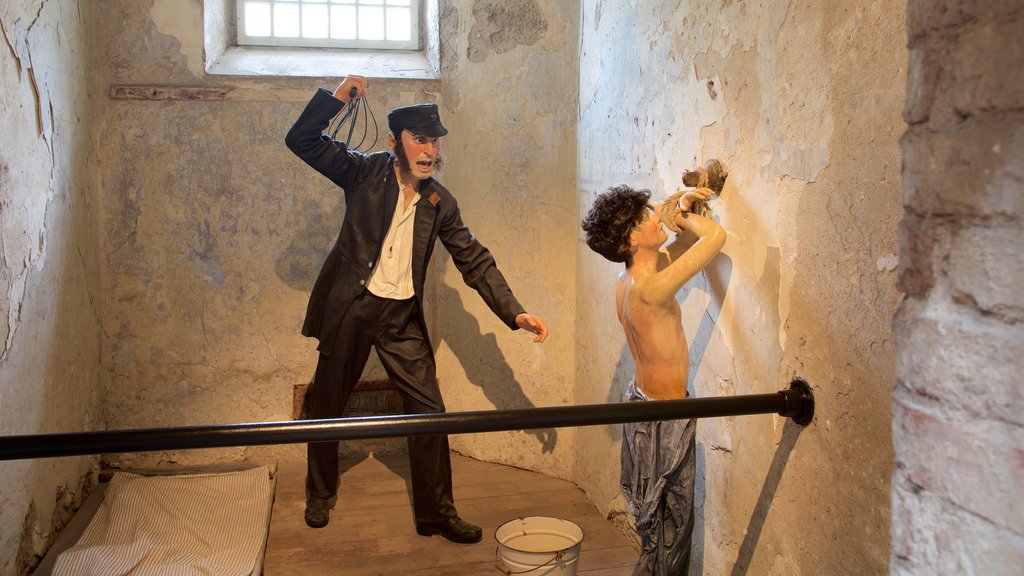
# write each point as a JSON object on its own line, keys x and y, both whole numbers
{"x": 498, "y": 564}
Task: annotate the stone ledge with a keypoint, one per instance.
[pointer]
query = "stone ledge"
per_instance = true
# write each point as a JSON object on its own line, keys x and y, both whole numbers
{"x": 319, "y": 63}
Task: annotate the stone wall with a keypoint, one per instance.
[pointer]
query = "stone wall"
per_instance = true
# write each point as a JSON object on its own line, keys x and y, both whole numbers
{"x": 802, "y": 102}
{"x": 958, "y": 410}
{"x": 50, "y": 377}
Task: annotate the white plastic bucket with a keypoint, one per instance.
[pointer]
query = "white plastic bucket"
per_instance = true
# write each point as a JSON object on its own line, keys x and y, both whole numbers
{"x": 538, "y": 546}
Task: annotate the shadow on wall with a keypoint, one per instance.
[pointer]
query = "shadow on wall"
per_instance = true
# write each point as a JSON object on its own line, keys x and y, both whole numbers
{"x": 312, "y": 239}
{"x": 485, "y": 366}
{"x": 790, "y": 433}
{"x": 482, "y": 360}
{"x": 714, "y": 281}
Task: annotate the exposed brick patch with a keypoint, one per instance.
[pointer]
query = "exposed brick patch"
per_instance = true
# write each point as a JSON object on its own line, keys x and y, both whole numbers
{"x": 986, "y": 265}
{"x": 956, "y": 414}
{"x": 986, "y": 66}
{"x": 963, "y": 462}
{"x": 119, "y": 92}
{"x": 30, "y": 548}
{"x": 944, "y": 177}
{"x": 369, "y": 398}
{"x": 916, "y": 262}
{"x": 502, "y": 25}
{"x": 920, "y": 549}
{"x": 961, "y": 361}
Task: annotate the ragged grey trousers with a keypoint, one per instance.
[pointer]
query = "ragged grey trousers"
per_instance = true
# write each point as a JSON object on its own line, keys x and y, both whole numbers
{"x": 658, "y": 470}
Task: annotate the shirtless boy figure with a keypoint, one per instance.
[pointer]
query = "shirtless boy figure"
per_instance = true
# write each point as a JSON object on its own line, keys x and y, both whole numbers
{"x": 658, "y": 458}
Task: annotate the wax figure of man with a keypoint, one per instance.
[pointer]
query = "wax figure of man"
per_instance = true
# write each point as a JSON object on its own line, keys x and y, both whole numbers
{"x": 369, "y": 292}
{"x": 658, "y": 458}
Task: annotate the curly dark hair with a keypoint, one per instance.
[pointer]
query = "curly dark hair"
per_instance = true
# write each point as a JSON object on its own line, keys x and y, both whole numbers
{"x": 613, "y": 217}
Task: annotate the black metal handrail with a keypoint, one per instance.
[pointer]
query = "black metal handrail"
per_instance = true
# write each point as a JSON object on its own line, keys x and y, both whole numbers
{"x": 797, "y": 403}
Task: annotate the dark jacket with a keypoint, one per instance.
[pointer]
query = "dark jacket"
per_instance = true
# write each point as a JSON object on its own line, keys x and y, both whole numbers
{"x": 371, "y": 194}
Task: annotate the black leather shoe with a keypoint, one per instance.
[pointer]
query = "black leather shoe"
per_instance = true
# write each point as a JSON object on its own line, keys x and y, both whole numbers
{"x": 318, "y": 512}
{"x": 455, "y": 529}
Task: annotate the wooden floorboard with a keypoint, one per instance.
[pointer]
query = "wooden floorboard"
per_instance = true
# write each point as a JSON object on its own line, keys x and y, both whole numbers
{"x": 372, "y": 533}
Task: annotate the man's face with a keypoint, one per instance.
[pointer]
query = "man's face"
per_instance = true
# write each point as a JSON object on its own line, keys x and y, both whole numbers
{"x": 420, "y": 154}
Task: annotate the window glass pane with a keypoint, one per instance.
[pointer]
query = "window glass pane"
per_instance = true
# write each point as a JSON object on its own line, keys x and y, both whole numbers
{"x": 314, "y": 21}
{"x": 286, "y": 20}
{"x": 398, "y": 24}
{"x": 257, "y": 18}
{"x": 371, "y": 23}
{"x": 343, "y": 22}
{"x": 374, "y": 24}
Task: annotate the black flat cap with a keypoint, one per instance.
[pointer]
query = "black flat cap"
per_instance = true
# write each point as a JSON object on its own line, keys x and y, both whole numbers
{"x": 422, "y": 119}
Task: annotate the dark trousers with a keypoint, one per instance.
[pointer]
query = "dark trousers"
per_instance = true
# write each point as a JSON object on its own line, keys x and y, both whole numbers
{"x": 390, "y": 326}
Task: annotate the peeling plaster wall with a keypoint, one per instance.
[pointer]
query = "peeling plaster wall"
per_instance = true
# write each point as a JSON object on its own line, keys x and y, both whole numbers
{"x": 50, "y": 378}
{"x": 509, "y": 90}
{"x": 214, "y": 232}
{"x": 801, "y": 101}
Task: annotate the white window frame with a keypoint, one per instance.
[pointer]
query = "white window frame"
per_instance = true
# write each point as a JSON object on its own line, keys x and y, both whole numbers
{"x": 224, "y": 57}
{"x": 277, "y": 41}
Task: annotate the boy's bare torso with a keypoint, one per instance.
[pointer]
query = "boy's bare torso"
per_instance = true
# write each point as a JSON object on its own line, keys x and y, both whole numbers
{"x": 656, "y": 339}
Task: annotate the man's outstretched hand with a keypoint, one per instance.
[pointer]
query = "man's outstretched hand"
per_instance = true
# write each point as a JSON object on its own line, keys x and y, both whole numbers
{"x": 533, "y": 324}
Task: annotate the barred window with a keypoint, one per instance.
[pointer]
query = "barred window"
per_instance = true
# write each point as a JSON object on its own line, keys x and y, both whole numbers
{"x": 375, "y": 24}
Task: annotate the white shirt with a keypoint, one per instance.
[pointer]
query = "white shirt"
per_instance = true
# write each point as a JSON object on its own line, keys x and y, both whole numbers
{"x": 392, "y": 278}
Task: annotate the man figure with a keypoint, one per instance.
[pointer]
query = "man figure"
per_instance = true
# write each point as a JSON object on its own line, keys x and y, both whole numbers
{"x": 658, "y": 460}
{"x": 369, "y": 292}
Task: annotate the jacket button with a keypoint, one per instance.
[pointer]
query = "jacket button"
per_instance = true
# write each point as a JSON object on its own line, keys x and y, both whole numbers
{"x": 362, "y": 282}
{"x": 370, "y": 265}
